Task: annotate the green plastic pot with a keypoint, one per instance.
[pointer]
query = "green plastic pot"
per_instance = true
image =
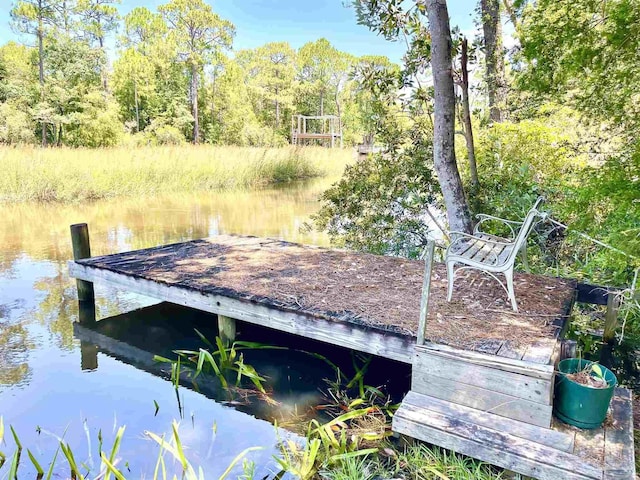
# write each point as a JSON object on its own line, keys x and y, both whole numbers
{"x": 580, "y": 405}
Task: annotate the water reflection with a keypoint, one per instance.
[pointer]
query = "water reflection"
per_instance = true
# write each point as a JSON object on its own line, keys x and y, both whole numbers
{"x": 57, "y": 382}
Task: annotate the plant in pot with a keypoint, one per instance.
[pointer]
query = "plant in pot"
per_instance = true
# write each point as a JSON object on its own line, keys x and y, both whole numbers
{"x": 583, "y": 392}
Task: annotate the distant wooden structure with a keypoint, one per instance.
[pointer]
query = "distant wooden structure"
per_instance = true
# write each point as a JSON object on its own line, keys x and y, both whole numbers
{"x": 316, "y": 129}
{"x": 483, "y": 375}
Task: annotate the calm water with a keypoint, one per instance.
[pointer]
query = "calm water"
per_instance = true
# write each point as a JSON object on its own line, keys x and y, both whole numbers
{"x": 58, "y": 379}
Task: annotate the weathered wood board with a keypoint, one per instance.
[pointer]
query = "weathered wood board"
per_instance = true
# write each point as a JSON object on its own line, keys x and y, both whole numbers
{"x": 561, "y": 452}
{"x": 495, "y": 385}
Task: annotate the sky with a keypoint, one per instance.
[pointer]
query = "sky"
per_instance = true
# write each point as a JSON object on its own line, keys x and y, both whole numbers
{"x": 295, "y": 21}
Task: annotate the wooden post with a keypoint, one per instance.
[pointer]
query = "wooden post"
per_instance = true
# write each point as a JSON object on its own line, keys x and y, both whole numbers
{"x": 568, "y": 349}
{"x": 88, "y": 356}
{"x": 226, "y": 329}
{"x": 611, "y": 317}
{"x": 426, "y": 287}
{"x": 82, "y": 249}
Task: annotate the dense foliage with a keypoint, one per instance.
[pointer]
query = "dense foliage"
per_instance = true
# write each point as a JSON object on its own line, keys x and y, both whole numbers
{"x": 173, "y": 78}
{"x": 571, "y": 136}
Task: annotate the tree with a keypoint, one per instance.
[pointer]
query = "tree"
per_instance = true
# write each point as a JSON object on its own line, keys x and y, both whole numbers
{"x": 316, "y": 65}
{"x": 271, "y": 71}
{"x": 99, "y": 17}
{"x": 494, "y": 58}
{"x": 393, "y": 18}
{"x": 584, "y": 54}
{"x": 198, "y": 34}
{"x": 33, "y": 17}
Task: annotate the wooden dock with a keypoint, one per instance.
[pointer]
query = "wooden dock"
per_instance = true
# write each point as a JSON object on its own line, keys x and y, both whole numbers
{"x": 484, "y": 371}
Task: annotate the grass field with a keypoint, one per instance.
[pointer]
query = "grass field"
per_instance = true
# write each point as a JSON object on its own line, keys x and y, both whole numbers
{"x": 68, "y": 175}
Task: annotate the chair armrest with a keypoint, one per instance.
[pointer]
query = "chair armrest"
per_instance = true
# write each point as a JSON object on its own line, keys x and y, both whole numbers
{"x": 486, "y": 218}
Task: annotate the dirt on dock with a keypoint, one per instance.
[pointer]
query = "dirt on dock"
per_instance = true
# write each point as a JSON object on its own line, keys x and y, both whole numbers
{"x": 370, "y": 290}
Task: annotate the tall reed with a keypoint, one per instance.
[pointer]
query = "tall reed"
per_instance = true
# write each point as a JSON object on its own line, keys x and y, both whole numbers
{"x": 67, "y": 175}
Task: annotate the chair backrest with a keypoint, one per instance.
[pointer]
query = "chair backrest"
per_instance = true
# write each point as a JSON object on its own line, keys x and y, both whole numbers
{"x": 527, "y": 225}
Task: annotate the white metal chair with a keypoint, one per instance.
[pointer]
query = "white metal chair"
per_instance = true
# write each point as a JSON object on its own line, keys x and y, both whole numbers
{"x": 489, "y": 253}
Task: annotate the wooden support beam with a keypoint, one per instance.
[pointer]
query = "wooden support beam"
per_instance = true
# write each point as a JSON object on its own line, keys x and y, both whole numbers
{"x": 82, "y": 249}
{"x": 226, "y": 329}
{"x": 344, "y": 334}
{"x": 426, "y": 288}
{"x": 611, "y": 317}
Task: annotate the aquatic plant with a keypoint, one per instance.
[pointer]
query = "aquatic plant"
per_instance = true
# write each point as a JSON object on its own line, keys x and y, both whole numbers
{"x": 225, "y": 362}
{"x": 109, "y": 462}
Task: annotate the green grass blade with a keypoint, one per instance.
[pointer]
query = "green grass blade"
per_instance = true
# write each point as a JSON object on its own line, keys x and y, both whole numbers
{"x": 13, "y": 468}
{"x": 176, "y": 438}
{"x": 222, "y": 351}
{"x": 235, "y": 461}
{"x": 53, "y": 463}
{"x": 111, "y": 469}
{"x": 36, "y": 465}
{"x": 15, "y": 437}
{"x": 204, "y": 339}
{"x": 159, "y": 464}
{"x": 114, "y": 452}
{"x": 356, "y": 453}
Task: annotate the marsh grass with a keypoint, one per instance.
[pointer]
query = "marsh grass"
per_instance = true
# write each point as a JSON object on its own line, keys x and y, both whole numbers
{"x": 68, "y": 175}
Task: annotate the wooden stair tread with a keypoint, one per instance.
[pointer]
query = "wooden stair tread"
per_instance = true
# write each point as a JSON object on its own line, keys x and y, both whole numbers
{"x": 561, "y": 452}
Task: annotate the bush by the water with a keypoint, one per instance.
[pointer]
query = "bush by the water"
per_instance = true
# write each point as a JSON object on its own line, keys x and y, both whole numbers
{"x": 34, "y": 174}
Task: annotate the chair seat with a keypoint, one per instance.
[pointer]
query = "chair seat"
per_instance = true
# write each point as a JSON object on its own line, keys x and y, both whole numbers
{"x": 483, "y": 253}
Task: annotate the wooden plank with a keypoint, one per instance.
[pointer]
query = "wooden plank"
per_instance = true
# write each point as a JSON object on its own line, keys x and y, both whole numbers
{"x": 510, "y": 350}
{"x": 559, "y": 440}
{"x": 482, "y": 399}
{"x": 344, "y": 334}
{"x": 540, "y": 351}
{"x": 619, "y": 461}
{"x": 589, "y": 445}
{"x": 498, "y": 448}
{"x": 493, "y": 361}
{"x": 488, "y": 346}
{"x": 517, "y": 385}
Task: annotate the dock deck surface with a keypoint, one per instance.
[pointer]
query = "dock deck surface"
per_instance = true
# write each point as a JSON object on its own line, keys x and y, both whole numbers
{"x": 375, "y": 293}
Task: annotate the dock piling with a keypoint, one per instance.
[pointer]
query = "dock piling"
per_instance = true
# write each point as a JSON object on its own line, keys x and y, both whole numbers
{"x": 86, "y": 295}
{"x": 226, "y": 329}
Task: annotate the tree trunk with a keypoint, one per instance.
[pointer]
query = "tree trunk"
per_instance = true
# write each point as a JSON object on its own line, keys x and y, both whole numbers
{"x": 41, "y": 73}
{"x": 339, "y": 112}
{"x": 444, "y": 156}
{"x": 496, "y": 83}
{"x": 194, "y": 103}
{"x": 321, "y": 102}
{"x": 466, "y": 116}
{"x": 277, "y": 110}
{"x": 60, "y": 135}
{"x": 103, "y": 72}
{"x": 135, "y": 101}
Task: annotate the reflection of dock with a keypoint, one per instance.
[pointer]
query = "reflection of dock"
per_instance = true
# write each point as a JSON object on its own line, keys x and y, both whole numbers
{"x": 489, "y": 370}
{"x": 134, "y": 338}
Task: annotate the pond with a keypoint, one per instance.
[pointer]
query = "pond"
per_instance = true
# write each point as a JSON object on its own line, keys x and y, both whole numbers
{"x": 59, "y": 380}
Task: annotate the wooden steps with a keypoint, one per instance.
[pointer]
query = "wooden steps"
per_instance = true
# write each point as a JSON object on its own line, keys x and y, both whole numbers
{"x": 561, "y": 452}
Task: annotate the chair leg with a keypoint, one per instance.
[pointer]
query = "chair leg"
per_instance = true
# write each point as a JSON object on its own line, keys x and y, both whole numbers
{"x": 450, "y": 274}
{"x": 525, "y": 259}
{"x": 512, "y": 296}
